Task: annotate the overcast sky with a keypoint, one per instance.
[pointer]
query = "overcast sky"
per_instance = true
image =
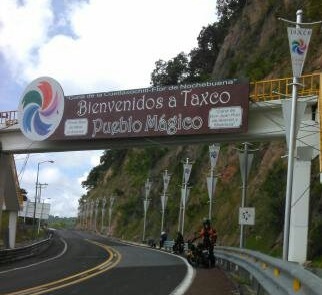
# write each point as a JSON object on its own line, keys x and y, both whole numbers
{"x": 87, "y": 46}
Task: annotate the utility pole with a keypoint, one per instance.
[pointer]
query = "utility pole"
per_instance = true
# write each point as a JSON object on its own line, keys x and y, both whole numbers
{"x": 40, "y": 186}
{"x": 37, "y": 196}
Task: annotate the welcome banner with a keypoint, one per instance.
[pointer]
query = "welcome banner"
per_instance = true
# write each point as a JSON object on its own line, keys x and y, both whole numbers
{"x": 200, "y": 108}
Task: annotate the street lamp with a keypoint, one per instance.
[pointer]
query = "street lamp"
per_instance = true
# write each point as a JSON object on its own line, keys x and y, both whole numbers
{"x": 146, "y": 203}
{"x": 103, "y": 213}
{"x": 187, "y": 166}
{"x": 96, "y": 213}
{"x": 36, "y": 195}
{"x": 112, "y": 199}
{"x": 164, "y": 197}
{"x": 212, "y": 180}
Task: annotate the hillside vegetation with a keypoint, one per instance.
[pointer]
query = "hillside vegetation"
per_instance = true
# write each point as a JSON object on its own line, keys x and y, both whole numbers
{"x": 248, "y": 41}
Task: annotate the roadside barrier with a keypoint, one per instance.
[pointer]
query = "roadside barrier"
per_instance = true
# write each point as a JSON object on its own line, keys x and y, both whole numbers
{"x": 266, "y": 274}
{"x": 10, "y": 255}
{"x": 269, "y": 274}
{"x": 168, "y": 245}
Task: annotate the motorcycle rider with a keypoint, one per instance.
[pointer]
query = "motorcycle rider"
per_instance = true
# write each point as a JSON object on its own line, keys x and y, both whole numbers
{"x": 163, "y": 238}
{"x": 209, "y": 236}
{"x": 178, "y": 246}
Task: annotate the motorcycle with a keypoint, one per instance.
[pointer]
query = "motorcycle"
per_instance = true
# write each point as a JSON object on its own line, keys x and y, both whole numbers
{"x": 199, "y": 255}
{"x": 178, "y": 248}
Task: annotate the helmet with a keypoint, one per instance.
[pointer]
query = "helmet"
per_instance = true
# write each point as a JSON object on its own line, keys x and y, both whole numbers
{"x": 206, "y": 221}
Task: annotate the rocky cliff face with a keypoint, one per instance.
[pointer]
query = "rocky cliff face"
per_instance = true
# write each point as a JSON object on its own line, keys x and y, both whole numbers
{"x": 256, "y": 48}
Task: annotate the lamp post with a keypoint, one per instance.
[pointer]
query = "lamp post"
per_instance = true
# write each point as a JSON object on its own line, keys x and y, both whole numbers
{"x": 41, "y": 213}
{"x": 36, "y": 195}
{"x": 103, "y": 213}
{"x": 96, "y": 213}
{"x": 164, "y": 197}
{"x": 185, "y": 190}
{"x": 82, "y": 216}
{"x": 245, "y": 159}
{"x": 110, "y": 209}
{"x": 88, "y": 208}
{"x": 211, "y": 182}
{"x": 298, "y": 59}
{"x": 91, "y": 212}
{"x": 146, "y": 203}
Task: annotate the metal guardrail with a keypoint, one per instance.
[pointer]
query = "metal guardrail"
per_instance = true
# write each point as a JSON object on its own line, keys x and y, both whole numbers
{"x": 273, "y": 275}
{"x": 10, "y": 255}
{"x": 168, "y": 245}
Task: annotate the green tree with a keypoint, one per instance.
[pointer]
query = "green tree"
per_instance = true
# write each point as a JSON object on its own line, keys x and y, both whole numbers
{"x": 229, "y": 8}
{"x": 203, "y": 58}
{"x": 24, "y": 194}
{"x": 271, "y": 203}
{"x": 172, "y": 72}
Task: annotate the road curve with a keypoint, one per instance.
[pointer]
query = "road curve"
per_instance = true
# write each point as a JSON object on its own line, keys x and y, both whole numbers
{"x": 95, "y": 265}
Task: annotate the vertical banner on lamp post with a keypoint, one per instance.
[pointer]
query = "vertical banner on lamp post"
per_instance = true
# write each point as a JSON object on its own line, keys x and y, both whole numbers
{"x": 242, "y": 162}
{"x": 184, "y": 196}
{"x": 211, "y": 186}
{"x": 146, "y": 204}
{"x": 112, "y": 199}
{"x": 299, "y": 40}
{"x": 166, "y": 180}
{"x": 147, "y": 188}
{"x": 214, "y": 153}
{"x": 164, "y": 201}
{"x": 187, "y": 170}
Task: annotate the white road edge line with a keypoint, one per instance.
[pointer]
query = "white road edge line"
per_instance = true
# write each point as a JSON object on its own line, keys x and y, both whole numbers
{"x": 187, "y": 281}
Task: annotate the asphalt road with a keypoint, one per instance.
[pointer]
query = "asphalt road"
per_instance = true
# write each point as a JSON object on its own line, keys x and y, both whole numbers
{"x": 81, "y": 263}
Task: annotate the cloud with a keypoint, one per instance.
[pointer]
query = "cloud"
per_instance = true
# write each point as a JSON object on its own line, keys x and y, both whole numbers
{"x": 20, "y": 39}
{"x": 62, "y": 177}
{"x": 87, "y": 46}
{"x": 108, "y": 44}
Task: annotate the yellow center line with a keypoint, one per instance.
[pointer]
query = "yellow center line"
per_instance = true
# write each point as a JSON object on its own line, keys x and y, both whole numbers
{"x": 76, "y": 278}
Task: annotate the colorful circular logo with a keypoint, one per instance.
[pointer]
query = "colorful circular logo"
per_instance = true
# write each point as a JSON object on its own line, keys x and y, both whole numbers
{"x": 299, "y": 46}
{"x": 41, "y": 108}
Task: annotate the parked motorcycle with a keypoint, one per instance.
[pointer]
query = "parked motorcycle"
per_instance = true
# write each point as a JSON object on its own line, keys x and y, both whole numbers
{"x": 178, "y": 248}
{"x": 199, "y": 255}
